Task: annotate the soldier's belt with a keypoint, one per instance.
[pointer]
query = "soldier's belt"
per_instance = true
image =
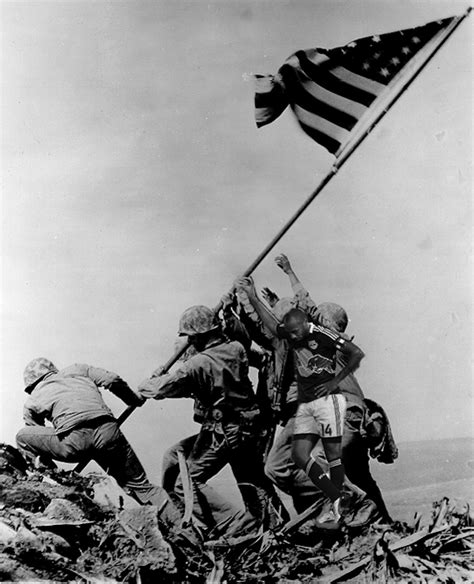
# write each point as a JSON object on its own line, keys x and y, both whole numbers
{"x": 239, "y": 417}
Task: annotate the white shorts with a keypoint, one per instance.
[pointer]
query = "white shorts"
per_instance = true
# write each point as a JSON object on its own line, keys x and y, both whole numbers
{"x": 323, "y": 416}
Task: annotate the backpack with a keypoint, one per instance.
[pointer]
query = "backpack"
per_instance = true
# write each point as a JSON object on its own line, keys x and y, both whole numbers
{"x": 378, "y": 433}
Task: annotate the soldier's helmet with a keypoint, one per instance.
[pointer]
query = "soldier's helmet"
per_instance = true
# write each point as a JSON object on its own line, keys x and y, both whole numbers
{"x": 332, "y": 316}
{"x": 197, "y": 320}
{"x": 35, "y": 370}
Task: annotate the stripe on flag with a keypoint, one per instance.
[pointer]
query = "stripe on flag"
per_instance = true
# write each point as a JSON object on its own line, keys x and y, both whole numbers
{"x": 330, "y": 91}
{"x": 320, "y": 124}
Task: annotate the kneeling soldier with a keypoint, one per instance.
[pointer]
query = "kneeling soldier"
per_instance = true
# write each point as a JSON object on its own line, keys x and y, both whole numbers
{"x": 84, "y": 428}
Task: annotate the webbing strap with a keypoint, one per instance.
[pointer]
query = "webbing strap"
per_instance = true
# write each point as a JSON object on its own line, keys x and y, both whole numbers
{"x": 335, "y": 462}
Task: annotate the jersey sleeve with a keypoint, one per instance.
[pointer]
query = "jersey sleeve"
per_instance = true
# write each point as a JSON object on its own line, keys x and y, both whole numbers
{"x": 335, "y": 338}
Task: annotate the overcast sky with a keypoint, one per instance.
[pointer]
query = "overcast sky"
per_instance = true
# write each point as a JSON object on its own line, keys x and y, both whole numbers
{"x": 135, "y": 184}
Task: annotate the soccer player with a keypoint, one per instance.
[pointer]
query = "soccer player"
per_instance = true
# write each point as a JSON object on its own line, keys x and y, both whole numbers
{"x": 321, "y": 406}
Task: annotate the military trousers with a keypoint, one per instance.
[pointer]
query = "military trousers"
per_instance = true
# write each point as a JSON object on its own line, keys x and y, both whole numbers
{"x": 206, "y": 453}
{"x": 99, "y": 439}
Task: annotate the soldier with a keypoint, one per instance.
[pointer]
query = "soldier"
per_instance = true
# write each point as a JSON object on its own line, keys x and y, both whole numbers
{"x": 84, "y": 428}
{"x": 253, "y": 494}
{"x": 217, "y": 376}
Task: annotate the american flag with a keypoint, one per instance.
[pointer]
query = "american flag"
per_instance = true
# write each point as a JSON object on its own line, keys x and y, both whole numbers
{"x": 330, "y": 91}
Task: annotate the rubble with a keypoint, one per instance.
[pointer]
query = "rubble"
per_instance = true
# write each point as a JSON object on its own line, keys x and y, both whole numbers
{"x": 107, "y": 493}
{"x": 62, "y": 513}
{"x": 52, "y": 529}
{"x": 131, "y": 547}
{"x": 337, "y": 558}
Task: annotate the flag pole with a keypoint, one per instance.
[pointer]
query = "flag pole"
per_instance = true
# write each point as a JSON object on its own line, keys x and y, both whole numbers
{"x": 345, "y": 154}
{"x": 127, "y": 412}
{"x": 258, "y": 260}
{"x": 340, "y": 161}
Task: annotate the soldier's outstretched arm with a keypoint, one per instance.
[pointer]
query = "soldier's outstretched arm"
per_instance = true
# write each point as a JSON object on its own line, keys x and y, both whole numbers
{"x": 305, "y": 302}
{"x": 115, "y": 384}
{"x": 232, "y": 325}
{"x": 268, "y": 319}
{"x": 172, "y": 385}
{"x": 284, "y": 264}
{"x": 270, "y": 297}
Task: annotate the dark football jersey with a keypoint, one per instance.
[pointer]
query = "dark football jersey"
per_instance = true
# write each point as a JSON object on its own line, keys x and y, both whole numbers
{"x": 315, "y": 360}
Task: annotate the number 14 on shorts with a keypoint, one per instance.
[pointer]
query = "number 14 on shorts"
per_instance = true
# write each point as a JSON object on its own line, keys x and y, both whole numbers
{"x": 326, "y": 430}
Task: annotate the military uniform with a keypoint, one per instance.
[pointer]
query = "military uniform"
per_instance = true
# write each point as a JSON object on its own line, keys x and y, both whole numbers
{"x": 218, "y": 377}
{"x": 83, "y": 427}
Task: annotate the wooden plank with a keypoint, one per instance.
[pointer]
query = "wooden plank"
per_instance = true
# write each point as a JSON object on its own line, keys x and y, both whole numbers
{"x": 300, "y": 519}
{"x": 187, "y": 488}
{"x": 408, "y": 541}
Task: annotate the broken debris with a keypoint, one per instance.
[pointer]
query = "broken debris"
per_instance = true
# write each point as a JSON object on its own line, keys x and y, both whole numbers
{"x": 87, "y": 541}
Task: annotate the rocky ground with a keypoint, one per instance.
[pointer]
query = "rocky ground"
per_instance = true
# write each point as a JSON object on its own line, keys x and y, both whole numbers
{"x": 62, "y": 527}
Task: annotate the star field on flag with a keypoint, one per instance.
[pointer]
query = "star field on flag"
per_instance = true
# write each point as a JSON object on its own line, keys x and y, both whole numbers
{"x": 330, "y": 90}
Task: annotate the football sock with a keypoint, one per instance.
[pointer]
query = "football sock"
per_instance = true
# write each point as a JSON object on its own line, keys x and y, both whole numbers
{"x": 321, "y": 480}
{"x": 336, "y": 472}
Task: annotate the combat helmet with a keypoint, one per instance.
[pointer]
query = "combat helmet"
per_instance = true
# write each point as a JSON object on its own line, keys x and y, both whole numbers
{"x": 331, "y": 316}
{"x": 197, "y": 320}
{"x": 36, "y": 370}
